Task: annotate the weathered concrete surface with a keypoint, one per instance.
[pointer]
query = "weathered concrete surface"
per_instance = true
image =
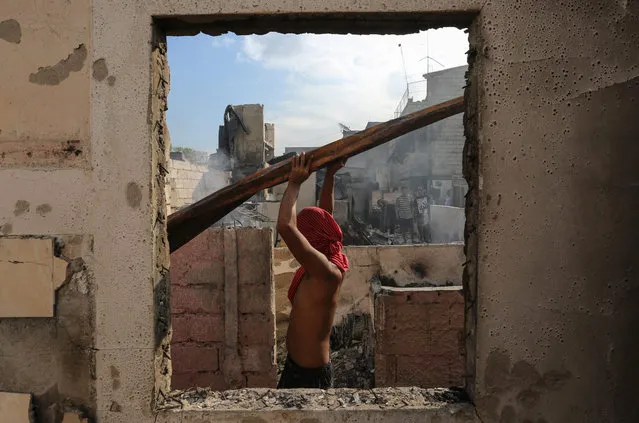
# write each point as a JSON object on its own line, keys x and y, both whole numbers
{"x": 557, "y": 231}
{"x": 448, "y": 414}
{"x": 53, "y": 358}
{"x": 551, "y": 163}
{"x": 342, "y": 405}
{"x": 44, "y": 83}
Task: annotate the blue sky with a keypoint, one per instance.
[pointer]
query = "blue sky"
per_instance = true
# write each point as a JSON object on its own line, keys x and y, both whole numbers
{"x": 308, "y": 83}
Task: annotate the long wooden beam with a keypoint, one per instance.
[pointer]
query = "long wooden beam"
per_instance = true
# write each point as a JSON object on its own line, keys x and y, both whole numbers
{"x": 190, "y": 221}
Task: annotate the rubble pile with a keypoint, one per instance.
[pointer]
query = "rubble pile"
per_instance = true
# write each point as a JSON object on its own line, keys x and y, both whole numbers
{"x": 269, "y": 399}
{"x": 352, "y": 352}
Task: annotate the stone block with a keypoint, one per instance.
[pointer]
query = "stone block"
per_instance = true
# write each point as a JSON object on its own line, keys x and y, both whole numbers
{"x": 208, "y": 328}
{"x": 261, "y": 380}
{"x": 257, "y": 358}
{"x": 193, "y": 358}
{"x": 403, "y": 341}
{"x": 26, "y": 290}
{"x": 31, "y": 275}
{"x": 197, "y": 328}
{"x": 255, "y": 298}
{"x": 385, "y": 370}
{"x": 197, "y": 299}
{"x": 434, "y": 372}
{"x": 254, "y": 256}
{"x": 15, "y": 407}
{"x": 415, "y": 328}
{"x": 257, "y": 329}
{"x": 180, "y": 325}
{"x": 204, "y": 253}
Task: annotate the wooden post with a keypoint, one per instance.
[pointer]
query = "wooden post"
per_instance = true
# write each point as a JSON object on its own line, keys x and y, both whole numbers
{"x": 187, "y": 223}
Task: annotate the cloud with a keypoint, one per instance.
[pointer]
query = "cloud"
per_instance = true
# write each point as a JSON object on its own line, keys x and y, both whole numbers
{"x": 349, "y": 79}
{"x": 223, "y": 41}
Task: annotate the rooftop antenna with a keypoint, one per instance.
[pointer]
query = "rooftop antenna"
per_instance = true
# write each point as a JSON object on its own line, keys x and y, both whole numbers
{"x": 428, "y": 58}
{"x": 403, "y": 64}
{"x": 427, "y": 54}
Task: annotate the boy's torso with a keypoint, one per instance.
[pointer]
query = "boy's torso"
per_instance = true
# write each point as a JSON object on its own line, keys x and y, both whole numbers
{"x": 311, "y": 320}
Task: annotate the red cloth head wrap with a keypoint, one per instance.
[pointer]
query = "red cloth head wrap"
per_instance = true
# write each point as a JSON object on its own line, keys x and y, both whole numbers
{"x": 324, "y": 234}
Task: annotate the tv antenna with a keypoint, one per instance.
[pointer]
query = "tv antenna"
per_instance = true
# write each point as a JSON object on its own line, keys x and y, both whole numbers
{"x": 403, "y": 64}
{"x": 428, "y": 57}
{"x": 428, "y": 62}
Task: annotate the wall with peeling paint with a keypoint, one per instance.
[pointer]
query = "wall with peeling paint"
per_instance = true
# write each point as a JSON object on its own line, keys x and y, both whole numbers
{"x": 52, "y": 358}
{"x": 551, "y": 164}
{"x": 45, "y": 86}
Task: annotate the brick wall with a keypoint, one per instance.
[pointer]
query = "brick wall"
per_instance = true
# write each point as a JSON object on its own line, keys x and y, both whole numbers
{"x": 188, "y": 183}
{"x": 418, "y": 337}
{"x": 222, "y": 310}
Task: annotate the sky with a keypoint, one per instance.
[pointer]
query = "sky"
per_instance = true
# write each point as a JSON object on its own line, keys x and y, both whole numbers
{"x": 308, "y": 83}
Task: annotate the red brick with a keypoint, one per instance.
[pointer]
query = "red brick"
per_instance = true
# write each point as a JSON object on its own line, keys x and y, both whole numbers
{"x": 403, "y": 341}
{"x": 191, "y": 358}
{"x": 447, "y": 342}
{"x": 261, "y": 380}
{"x": 180, "y": 329}
{"x": 199, "y": 261}
{"x": 415, "y": 316}
{"x": 206, "y": 328}
{"x": 456, "y": 315}
{"x": 254, "y": 257}
{"x": 419, "y": 339}
{"x": 426, "y": 297}
{"x": 196, "y": 299}
{"x": 257, "y": 359}
{"x": 457, "y": 370}
{"x": 385, "y": 370}
{"x": 213, "y": 380}
{"x": 257, "y": 329}
{"x": 181, "y": 380}
{"x": 256, "y": 298}
{"x": 427, "y": 373}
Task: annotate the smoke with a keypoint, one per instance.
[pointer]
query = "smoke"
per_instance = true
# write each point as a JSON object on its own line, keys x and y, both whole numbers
{"x": 218, "y": 176}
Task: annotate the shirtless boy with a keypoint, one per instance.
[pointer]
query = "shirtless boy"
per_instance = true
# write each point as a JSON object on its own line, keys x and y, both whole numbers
{"x": 315, "y": 240}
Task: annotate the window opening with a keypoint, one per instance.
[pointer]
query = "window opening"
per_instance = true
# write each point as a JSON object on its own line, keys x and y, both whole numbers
{"x": 239, "y": 103}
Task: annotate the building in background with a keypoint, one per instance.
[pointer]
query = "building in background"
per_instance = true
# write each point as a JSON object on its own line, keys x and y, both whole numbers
{"x": 432, "y": 156}
{"x": 365, "y": 189}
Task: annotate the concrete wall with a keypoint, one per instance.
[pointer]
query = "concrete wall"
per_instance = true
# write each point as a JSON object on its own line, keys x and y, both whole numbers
{"x": 222, "y": 311}
{"x": 50, "y": 357}
{"x": 248, "y": 150}
{"x": 550, "y": 159}
{"x": 419, "y": 337}
{"x": 447, "y": 136}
